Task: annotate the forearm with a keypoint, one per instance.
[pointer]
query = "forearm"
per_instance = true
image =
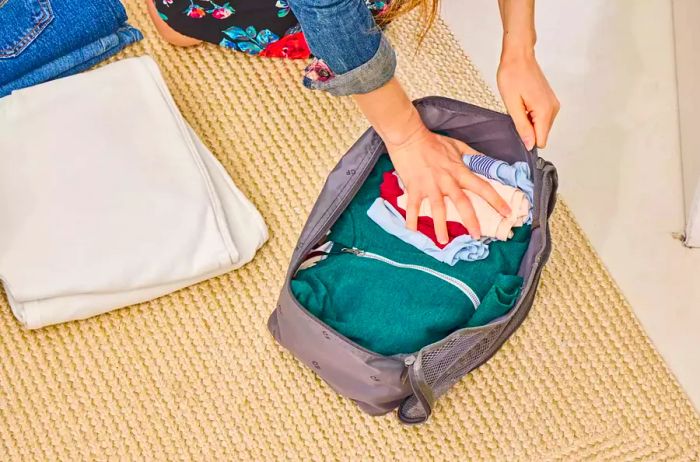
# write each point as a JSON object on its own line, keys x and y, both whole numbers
{"x": 343, "y": 34}
{"x": 391, "y": 113}
{"x": 526, "y": 93}
{"x": 519, "y": 36}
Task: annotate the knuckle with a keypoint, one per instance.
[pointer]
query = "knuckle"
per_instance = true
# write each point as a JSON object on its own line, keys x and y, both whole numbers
{"x": 445, "y": 182}
{"x": 434, "y": 192}
{"x": 544, "y": 114}
{"x": 467, "y": 177}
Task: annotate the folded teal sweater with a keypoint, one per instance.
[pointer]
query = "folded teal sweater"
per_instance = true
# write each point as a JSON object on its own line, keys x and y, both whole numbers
{"x": 392, "y": 309}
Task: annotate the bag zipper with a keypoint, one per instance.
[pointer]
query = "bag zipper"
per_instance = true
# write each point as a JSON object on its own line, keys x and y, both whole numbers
{"x": 464, "y": 288}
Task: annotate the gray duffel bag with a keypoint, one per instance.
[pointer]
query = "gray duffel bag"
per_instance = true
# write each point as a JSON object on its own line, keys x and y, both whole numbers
{"x": 412, "y": 382}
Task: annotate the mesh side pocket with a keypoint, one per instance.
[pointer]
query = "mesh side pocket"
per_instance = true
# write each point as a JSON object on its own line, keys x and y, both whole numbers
{"x": 436, "y": 363}
{"x": 468, "y": 360}
{"x": 445, "y": 364}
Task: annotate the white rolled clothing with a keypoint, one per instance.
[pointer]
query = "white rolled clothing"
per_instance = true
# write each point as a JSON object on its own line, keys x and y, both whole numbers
{"x": 108, "y": 198}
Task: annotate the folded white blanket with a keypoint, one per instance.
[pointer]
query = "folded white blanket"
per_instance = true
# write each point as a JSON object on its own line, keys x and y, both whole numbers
{"x": 108, "y": 198}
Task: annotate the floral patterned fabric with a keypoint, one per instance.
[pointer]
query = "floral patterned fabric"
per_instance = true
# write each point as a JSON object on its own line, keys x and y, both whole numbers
{"x": 256, "y": 27}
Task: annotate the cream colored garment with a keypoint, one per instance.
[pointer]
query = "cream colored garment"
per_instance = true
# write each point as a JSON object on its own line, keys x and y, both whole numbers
{"x": 108, "y": 198}
{"x": 492, "y": 223}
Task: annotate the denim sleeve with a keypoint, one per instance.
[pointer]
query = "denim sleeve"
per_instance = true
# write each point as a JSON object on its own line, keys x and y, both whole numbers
{"x": 343, "y": 34}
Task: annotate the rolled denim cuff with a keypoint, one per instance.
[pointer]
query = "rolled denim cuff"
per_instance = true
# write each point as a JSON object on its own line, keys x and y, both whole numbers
{"x": 365, "y": 78}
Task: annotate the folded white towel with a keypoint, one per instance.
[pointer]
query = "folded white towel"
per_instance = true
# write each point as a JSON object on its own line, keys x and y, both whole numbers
{"x": 108, "y": 198}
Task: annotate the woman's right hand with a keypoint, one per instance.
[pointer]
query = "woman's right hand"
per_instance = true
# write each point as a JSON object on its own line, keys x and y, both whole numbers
{"x": 431, "y": 167}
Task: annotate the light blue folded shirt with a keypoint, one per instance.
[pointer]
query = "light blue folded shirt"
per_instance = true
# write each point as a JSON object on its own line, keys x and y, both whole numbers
{"x": 461, "y": 248}
{"x": 516, "y": 175}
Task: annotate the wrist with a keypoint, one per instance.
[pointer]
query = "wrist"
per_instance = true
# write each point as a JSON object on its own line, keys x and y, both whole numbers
{"x": 403, "y": 129}
{"x": 392, "y": 114}
{"x": 517, "y": 57}
{"x": 518, "y": 46}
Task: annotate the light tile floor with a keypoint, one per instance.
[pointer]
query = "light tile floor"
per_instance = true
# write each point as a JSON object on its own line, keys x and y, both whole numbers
{"x": 616, "y": 146}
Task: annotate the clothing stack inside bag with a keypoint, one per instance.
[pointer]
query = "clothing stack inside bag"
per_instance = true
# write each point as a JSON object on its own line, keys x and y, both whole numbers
{"x": 392, "y": 290}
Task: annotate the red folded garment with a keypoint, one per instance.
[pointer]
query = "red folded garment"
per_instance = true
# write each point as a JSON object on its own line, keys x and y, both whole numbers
{"x": 390, "y": 190}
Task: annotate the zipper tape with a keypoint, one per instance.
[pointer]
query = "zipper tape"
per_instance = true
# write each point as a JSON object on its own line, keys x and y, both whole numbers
{"x": 464, "y": 288}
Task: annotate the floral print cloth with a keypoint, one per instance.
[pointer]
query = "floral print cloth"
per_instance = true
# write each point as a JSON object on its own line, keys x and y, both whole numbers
{"x": 256, "y": 27}
{"x": 249, "y": 26}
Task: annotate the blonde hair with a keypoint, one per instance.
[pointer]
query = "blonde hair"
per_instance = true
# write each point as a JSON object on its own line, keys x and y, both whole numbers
{"x": 428, "y": 10}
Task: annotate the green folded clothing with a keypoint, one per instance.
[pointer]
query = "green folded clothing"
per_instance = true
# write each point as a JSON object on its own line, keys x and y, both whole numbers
{"x": 390, "y": 297}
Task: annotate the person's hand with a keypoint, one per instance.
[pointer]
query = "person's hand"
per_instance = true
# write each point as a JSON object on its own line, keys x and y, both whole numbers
{"x": 528, "y": 97}
{"x": 431, "y": 167}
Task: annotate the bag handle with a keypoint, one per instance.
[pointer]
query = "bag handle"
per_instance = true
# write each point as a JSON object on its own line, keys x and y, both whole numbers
{"x": 422, "y": 397}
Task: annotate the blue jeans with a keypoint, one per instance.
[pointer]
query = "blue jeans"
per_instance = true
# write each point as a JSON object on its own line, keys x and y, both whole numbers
{"x": 344, "y": 35}
{"x": 42, "y": 40}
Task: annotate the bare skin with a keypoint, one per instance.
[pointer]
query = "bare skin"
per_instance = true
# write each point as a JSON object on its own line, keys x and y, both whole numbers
{"x": 525, "y": 91}
{"x": 166, "y": 31}
{"x": 430, "y": 165}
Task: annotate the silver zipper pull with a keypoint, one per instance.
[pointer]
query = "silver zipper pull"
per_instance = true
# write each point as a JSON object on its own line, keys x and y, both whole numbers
{"x": 409, "y": 360}
{"x": 354, "y": 250}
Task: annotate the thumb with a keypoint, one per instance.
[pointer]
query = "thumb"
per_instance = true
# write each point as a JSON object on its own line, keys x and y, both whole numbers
{"x": 517, "y": 111}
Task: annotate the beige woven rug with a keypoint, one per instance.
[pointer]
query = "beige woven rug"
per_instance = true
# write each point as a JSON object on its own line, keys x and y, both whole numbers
{"x": 196, "y": 376}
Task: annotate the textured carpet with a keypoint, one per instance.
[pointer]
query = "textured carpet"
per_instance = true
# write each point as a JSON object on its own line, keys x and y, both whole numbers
{"x": 196, "y": 376}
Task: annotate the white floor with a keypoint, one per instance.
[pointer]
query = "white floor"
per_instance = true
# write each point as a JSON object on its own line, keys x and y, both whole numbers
{"x": 616, "y": 146}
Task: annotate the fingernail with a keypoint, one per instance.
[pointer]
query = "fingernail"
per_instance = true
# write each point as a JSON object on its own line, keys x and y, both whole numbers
{"x": 529, "y": 143}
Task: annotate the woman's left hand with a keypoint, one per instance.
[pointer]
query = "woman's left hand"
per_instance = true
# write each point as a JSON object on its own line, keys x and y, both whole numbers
{"x": 528, "y": 97}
